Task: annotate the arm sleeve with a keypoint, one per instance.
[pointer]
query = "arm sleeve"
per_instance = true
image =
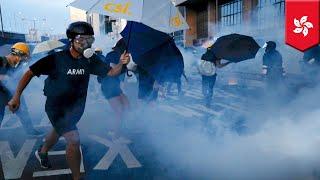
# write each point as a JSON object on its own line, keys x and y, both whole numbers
{"x": 114, "y": 57}
{"x": 2, "y": 62}
{"x": 44, "y": 66}
{"x": 99, "y": 68}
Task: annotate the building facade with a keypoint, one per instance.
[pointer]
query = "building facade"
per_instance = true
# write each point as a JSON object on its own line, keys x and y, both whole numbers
{"x": 209, "y": 19}
{"x": 102, "y": 25}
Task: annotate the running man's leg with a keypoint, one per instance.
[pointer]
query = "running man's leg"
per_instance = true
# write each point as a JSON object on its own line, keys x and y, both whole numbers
{"x": 125, "y": 102}
{"x": 211, "y": 84}
{"x": 205, "y": 86}
{"x": 73, "y": 154}
{"x": 42, "y": 153}
{"x": 118, "y": 109}
{"x": 50, "y": 140}
{"x": 179, "y": 86}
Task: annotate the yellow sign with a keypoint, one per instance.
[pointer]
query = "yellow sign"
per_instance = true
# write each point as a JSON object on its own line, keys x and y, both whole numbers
{"x": 118, "y": 8}
{"x": 176, "y": 21}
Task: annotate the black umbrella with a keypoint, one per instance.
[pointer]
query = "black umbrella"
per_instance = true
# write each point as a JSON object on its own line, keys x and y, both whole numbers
{"x": 234, "y": 48}
{"x": 154, "y": 51}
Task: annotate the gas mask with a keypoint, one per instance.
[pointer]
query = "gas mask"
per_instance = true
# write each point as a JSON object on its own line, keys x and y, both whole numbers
{"x": 84, "y": 43}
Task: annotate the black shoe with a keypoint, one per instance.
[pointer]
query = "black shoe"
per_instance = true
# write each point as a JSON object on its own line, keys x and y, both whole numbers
{"x": 43, "y": 159}
{"x": 34, "y": 133}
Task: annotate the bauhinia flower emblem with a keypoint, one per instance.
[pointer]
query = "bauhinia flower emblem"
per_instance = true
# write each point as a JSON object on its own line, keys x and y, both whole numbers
{"x": 302, "y": 26}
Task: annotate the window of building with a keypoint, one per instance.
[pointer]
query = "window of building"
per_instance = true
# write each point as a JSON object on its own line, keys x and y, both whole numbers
{"x": 231, "y": 13}
{"x": 270, "y": 13}
{"x": 108, "y": 24}
{"x": 278, "y": 4}
{"x": 90, "y": 18}
{"x": 179, "y": 35}
{"x": 202, "y": 24}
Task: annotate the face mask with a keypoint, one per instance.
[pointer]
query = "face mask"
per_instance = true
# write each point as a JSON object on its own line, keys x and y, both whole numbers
{"x": 88, "y": 53}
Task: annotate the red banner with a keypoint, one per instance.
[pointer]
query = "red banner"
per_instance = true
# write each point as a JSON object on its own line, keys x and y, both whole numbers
{"x": 302, "y": 23}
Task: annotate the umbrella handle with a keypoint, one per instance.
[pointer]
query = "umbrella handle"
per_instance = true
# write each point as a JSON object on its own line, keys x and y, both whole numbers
{"x": 129, "y": 75}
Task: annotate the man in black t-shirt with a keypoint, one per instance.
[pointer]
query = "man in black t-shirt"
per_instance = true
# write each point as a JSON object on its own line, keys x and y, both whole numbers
{"x": 66, "y": 88}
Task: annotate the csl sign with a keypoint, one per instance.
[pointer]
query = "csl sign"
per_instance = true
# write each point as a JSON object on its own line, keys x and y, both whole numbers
{"x": 302, "y": 23}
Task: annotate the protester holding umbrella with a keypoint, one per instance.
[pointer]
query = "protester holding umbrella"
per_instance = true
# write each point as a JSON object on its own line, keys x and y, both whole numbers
{"x": 233, "y": 48}
{"x": 9, "y": 66}
{"x": 110, "y": 87}
{"x": 66, "y": 90}
{"x": 157, "y": 57}
{"x": 207, "y": 68}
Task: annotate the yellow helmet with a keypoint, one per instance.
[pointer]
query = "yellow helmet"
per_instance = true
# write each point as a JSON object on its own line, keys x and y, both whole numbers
{"x": 21, "y": 49}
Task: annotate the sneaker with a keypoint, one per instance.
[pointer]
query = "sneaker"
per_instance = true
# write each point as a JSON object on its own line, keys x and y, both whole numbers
{"x": 34, "y": 133}
{"x": 43, "y": 159}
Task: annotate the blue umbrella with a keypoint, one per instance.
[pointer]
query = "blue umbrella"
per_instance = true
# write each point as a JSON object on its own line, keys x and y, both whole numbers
{"x": 154, "y": 51}
{"x": 144, "y": 37}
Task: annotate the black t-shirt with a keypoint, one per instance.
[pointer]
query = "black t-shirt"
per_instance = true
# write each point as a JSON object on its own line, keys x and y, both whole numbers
{"x": 4, "y": 65}
{"x": 67, "y": 76}
{"x": 5, "y": 69}
{"x": 112, "y": 57}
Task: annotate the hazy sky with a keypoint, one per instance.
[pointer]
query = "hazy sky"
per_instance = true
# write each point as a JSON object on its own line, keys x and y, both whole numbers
{"x": 54, "y": 11}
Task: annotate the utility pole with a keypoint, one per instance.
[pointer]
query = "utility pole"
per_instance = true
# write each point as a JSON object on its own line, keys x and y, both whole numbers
{"x": 2, "y": 32}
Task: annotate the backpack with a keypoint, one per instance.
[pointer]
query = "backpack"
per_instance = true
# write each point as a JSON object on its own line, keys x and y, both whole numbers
{"x": 206, "y": 68}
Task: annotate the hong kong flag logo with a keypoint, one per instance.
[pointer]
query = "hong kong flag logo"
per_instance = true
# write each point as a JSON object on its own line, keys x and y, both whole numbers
{"x": 302, "y": 26}
{"x": 302, "y": 23}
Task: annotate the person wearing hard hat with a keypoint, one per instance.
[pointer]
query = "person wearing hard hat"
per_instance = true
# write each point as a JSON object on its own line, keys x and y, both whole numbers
{"x": 66, "y": 87}
{"x": 8, "y": 65}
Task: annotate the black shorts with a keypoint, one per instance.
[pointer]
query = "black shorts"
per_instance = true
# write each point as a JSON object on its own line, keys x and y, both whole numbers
{"x": 110, "y": 87}
{"x": 65, "y": 113}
